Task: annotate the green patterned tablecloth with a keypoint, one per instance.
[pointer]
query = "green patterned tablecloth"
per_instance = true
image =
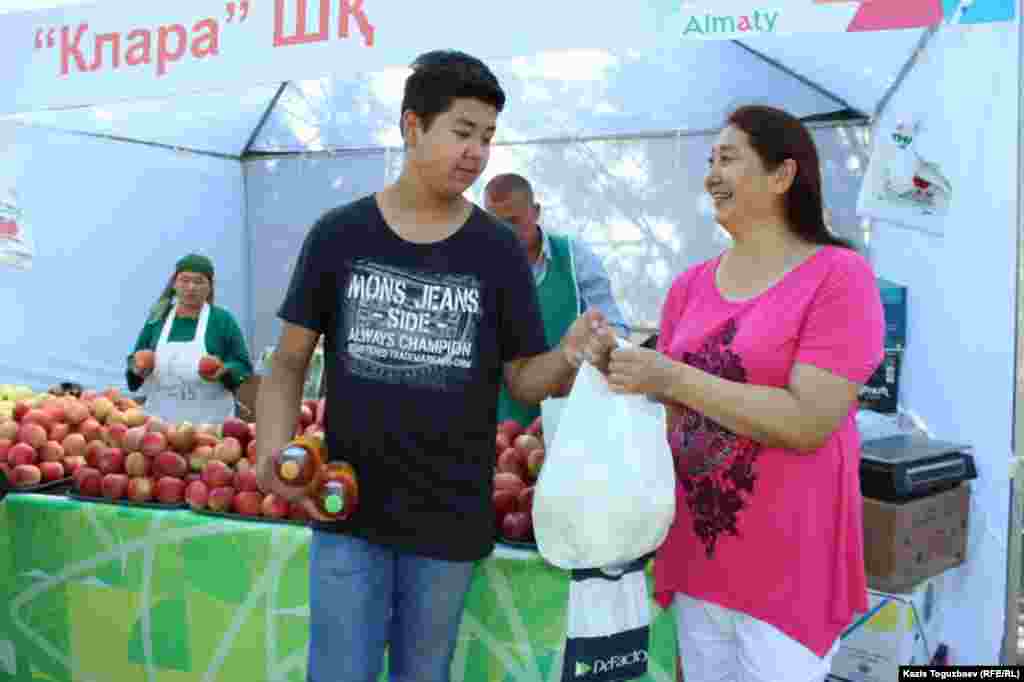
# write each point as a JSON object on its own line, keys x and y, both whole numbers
{"x": 102, "y": 593}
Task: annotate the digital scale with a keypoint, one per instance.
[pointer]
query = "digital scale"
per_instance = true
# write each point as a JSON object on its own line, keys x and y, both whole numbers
{"x": 904, "y": 467}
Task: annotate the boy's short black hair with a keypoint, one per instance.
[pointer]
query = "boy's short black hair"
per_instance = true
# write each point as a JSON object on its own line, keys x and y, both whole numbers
{"x": 440, "y": 77}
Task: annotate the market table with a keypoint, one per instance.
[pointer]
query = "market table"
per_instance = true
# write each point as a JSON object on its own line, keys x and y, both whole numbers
{"x": 106, "y": 593}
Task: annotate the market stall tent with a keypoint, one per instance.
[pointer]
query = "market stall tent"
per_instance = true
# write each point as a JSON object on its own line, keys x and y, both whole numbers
{"x": 615, "y": 138}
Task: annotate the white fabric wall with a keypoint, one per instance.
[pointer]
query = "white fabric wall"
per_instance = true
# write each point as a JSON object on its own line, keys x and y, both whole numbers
{"x": 636, "y": 202}
{"x": 109, "y": 221}
{"x": 959, "y": 364}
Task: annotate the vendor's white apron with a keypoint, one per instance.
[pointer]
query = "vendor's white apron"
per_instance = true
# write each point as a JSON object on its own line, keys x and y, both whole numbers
{"x": 175, "y": 391}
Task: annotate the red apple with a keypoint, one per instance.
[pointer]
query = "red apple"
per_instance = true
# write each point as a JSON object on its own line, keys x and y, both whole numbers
{"x": 296, "y": 512}
{"x": 182, "y": 437}
{"x": 24, "y": 475}
{"x": 90, "y": 482}
{"x": 245, "y": 482}
{"x": 112, "y": 461}
{"x": 132, "y": 441}
{"x": 74, "y": 464}
{"x": 209, "y": 366}
{"x": 220, "y": 498}
{"x": 114, "y": 486}
{"x": 511, "y": 428}
{"x": 8, "y": 429}
{"x": 170, "y": 463}
{"x": 32, "y": 434}
{"x": 247, "y": 503}
{"x": 56, "y": 413}
{"x": 101, "y": 408}
{"x": 89, "y": 395}
{"x": 21, "y": 408}
{"x": 38, "y": 416}
{"x": 140, "y": 489}
{"x": 207, "y": 439}
{"x": 306, "y": 416}
{"x": 228, "y": 451}
{"x": 76, "y": 413}
{"x": 217, "y": 474}
{"x": 197, "y": 494}
{"x": 250, "y": 452}
{"x": 511, "y": 462}
{"x": 274, "y": 507}
{"x": 145, "y": 360}
{"x": 234, "y": 427}
{"x": 153, "y": 444}
{"x": 170, "y": 490}
{"x": 115, "y": 435}
{"x": 501, "y": 443}
{"x": 504, "y": 502}
{"x": 137, "y": 465}
{"x": 527, "y": 443}
{"x": 133, "y": 416}
{"x": 90, "y": 428}
{"x": 516, "y": 526}
{"x": 51, "y": 471}
{"x": 59, "y": 431}
{"x": 504, "y": 481}
{"x": 5, "y": 446}
{"x": 52, "y": 451}
{"x": 22, "y": 453}
{"x": 74, "y": 445}
{"x": 93, "y": 451}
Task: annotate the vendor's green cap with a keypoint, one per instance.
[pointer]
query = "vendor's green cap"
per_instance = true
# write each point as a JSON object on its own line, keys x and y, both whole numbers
{"x": 195, "y": 263}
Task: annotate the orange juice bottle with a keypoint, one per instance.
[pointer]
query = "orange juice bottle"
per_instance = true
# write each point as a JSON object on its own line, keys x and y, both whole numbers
{"x": 335, "y": 491}
{"x": 298, "y": 462}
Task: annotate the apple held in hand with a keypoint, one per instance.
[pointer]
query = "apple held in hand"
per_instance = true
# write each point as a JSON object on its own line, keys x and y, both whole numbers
{"x": 145, "y": 361}
{"x": 210, "y": 367}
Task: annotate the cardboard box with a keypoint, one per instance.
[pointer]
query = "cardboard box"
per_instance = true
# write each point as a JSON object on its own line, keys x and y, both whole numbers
{"x": 898, "y": 629}
{"x": 906, "y": 543}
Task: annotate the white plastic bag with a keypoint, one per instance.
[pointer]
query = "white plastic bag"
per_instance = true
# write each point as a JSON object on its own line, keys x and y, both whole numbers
{"x": 606, "y": 494}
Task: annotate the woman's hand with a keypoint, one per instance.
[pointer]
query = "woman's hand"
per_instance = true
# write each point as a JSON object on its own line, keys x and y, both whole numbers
{"x": 640, "y": 371}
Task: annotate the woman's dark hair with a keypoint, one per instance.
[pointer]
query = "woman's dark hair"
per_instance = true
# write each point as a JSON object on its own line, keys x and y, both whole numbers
{"x": 440, "y": 77}
{"x": 776, "y": 136}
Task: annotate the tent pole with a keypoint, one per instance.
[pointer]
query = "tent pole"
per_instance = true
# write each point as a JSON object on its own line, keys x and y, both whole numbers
{"x": 901, "y": 76}
{"x": 793, "y": 74}
{"x": 263, "y": 119}
{"x": 1015, "y": 525}
{"x": 128, "y": 140}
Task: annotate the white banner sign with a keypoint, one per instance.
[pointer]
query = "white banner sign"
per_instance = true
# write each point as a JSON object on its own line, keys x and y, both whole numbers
{"x": 16, "y": 247}
{"x": 74, "y": 56}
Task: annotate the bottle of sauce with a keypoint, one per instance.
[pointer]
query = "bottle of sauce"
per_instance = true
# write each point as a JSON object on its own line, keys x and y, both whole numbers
{"x": 299, "y": 461}
{"x": 335, "y": 491}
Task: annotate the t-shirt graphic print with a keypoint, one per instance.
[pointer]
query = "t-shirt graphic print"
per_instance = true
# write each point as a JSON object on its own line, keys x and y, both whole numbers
{"x": 716, "y": 467}
{"x": 411, "y": 327}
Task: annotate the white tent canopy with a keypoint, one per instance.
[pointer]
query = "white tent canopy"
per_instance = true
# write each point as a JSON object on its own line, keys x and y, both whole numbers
{"x": 616, "y": 140}
{"x": 573, "y": 94}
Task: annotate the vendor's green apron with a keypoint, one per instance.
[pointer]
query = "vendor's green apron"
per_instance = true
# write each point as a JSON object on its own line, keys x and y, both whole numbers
{"x": 560, "y": 306}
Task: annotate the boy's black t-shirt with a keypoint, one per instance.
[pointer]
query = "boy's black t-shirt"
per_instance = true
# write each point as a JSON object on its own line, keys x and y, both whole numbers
{"x": 416, "y": 336}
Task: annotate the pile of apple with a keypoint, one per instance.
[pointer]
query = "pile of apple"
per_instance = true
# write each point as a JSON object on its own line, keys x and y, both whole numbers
{"x": 50, "y": 438}
{"x": 228, "y": 489}
{"x": 520, "y": 456}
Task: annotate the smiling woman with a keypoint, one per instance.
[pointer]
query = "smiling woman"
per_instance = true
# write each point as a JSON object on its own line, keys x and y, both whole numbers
{"x": 759, "y": 357}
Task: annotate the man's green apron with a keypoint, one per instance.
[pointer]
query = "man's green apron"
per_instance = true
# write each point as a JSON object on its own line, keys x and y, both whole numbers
{"x": 560, "y": 306}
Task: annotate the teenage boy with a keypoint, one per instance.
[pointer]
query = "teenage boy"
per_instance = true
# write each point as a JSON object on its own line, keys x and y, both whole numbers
{"x": 426, "y": 304}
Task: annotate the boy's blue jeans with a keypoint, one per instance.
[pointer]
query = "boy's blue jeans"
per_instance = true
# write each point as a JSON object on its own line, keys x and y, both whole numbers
{"x": 363, "y": 597}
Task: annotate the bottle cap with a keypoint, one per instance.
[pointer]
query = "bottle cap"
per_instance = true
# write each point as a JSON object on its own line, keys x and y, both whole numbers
{"x": 333, "y": 503}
